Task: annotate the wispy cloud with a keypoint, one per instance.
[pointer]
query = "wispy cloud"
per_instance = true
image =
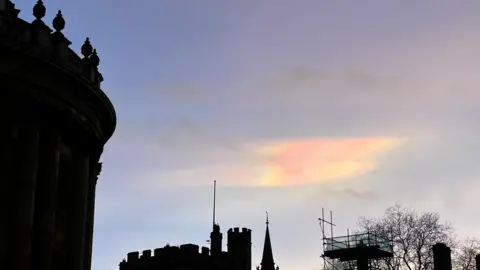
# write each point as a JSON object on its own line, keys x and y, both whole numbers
{"x": 282, "y": 163}
{"x": 317, "y": 160}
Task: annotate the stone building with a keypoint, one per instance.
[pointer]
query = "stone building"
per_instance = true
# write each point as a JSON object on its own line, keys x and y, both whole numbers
{"x": 190, "y": 257}
{"x": 55, "y": 121}
{"x": 442, "y": 259}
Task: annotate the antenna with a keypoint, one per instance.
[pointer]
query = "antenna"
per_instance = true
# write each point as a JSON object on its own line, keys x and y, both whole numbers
{"x": 266, "y": 212}
{"x": 331, "y": 224}
{"x": 327, "y": 242}
{"x": 214, "y": 198}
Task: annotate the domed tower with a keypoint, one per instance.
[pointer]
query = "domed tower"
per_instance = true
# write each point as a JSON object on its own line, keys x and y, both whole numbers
{"x": 55, "y": 121}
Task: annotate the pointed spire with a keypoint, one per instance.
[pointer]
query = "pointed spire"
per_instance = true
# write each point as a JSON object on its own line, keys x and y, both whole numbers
{"x": 267, "y": 258}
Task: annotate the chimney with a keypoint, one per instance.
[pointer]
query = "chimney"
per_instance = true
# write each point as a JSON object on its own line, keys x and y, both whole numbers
{"x": 477, "y": 261}
{"x": 442, "y": 257}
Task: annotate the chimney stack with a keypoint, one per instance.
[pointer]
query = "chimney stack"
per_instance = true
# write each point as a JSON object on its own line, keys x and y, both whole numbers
{"x": 442, "y": 257}
{"x": 477, "y": 262}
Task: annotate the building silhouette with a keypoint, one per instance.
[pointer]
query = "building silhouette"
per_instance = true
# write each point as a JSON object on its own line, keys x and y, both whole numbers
{"x": 55, "y": 121}
{"x": 189, "y": 256}
{"x": 267, "y": 256}
{"x": 442, "y": 257}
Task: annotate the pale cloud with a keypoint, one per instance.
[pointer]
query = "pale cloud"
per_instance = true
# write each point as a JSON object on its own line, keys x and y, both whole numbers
{"x": 281, "y": 163}
{"x": 317, "y": 160}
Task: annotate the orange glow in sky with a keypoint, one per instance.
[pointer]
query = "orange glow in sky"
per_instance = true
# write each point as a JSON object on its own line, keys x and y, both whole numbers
{"x": 306, "y": 161}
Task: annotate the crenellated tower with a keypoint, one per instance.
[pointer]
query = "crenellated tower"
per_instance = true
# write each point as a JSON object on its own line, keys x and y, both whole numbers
{"x": 240, "y": 248}
{"x": 55, "y": 121}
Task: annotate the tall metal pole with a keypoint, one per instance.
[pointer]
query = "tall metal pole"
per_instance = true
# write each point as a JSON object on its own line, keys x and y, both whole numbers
{"x": 214, "y": 199}
{"x": 348, "y": 237}
{"x": 331, "y": 224}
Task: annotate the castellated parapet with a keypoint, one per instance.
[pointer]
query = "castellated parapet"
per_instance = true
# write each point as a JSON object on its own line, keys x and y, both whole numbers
{"x": 236, "y": 230}
{"x": 191, "y": 256}
{"x": 236, "y": 236}
{"x": 166, "y": 256}
{"x": 187, "y": 250}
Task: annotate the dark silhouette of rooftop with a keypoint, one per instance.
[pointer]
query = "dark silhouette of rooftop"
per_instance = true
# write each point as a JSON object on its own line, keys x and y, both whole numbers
{"x": 238, "y": 255}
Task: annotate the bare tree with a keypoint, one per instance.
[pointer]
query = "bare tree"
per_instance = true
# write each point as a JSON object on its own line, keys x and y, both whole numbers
{"x": 412, "y": 236}
{"x": 464, "y": 255}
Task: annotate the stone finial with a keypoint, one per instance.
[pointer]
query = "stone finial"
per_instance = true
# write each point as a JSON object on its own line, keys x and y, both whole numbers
{"x": 87, "y": 48}
{"x": 39, "y": 10}
{"x": 8, "y": 8}
{"x": 59, "y": 22}
{"x": 94, "y": 59}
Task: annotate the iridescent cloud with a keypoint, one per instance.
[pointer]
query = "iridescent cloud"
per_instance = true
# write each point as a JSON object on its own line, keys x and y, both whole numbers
{"x": 323, "y": 159}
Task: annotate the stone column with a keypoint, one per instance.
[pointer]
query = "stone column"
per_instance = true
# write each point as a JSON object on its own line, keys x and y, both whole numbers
{"x": 95, "y": 169}
{"x": 78, "y": 212}
{"x": 23, "y": 197}
{"x": 45, "y": 200}
{"x": 6, "y": 154}
{"x": 62, "y": 219}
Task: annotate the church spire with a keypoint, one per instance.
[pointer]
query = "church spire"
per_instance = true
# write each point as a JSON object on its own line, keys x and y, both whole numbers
{"x": 267, "y": 258}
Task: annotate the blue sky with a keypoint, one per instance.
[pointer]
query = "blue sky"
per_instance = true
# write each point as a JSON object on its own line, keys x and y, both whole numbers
{"x": 290, "y": 105}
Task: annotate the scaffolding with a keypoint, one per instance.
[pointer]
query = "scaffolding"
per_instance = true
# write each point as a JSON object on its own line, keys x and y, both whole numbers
{"x": 351, "y": 251}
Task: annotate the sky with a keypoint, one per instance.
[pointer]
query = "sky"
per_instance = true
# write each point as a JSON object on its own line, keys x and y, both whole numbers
{"x": 291, "y": 106}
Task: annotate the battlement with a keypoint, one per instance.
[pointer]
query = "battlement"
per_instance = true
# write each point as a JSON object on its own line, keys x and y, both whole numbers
{"x": 236, "y": 231}
{"x": 183, "y": 252}
{"x": 239, "y": 239}
{"x": 40, "y": 43}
